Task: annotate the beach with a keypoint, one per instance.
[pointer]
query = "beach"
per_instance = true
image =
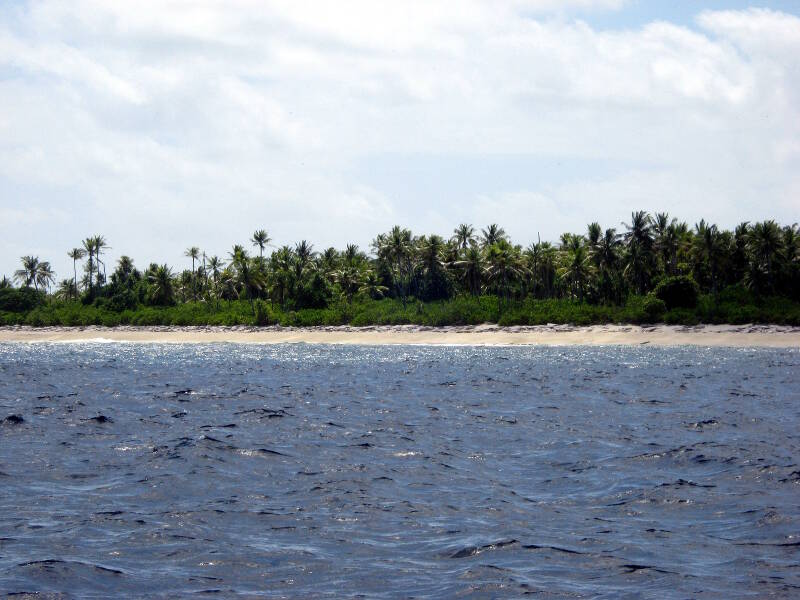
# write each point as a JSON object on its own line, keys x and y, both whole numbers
{"x": 771, "y": 336}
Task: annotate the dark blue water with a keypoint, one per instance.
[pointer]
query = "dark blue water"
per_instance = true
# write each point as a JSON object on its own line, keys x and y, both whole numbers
{"x": 319, "y": 471}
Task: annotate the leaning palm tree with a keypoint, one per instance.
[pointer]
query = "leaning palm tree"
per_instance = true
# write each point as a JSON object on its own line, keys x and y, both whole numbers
{"x": 27, "y": 274}
{"x": 261, "y": 239}
{"x": 76, "y": 254}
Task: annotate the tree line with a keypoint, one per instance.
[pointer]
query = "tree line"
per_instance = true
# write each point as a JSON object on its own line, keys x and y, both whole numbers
{"x": 599, "y": 266}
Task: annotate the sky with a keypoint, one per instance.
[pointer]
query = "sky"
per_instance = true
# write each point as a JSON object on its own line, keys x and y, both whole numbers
{"x": 164, "y": 124}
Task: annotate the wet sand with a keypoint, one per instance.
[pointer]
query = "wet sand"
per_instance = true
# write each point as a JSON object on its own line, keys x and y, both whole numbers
{"x": 774, "y": 336}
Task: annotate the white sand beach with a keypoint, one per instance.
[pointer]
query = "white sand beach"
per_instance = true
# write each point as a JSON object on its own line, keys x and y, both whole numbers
{"x": 774, "y": 336}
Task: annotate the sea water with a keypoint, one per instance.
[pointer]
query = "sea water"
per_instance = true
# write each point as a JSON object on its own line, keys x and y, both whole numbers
{"x": 338, "y": 471}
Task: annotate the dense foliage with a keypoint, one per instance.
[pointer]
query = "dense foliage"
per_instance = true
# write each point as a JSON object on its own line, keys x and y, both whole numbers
{"x": 656, "y": 269}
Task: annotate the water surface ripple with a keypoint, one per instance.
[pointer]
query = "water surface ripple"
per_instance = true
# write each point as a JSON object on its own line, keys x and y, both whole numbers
{"x": 431, "y": 472}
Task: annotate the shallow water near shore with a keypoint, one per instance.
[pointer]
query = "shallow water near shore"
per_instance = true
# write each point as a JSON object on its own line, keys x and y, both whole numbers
{"x": 297, "y": 470}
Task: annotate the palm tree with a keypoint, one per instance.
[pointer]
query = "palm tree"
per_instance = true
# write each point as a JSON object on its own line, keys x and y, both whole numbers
{"x": 472, "y": 267}
{"x": 76, "y": 254}
{"x": 503, "y": 267}
{"x": 350, "y": 279}
{"x": 352, "y": 255}
{"x": 281, "y": 273}
{"x": 397, "y": 250}
{"x": 27, "y": 274}
{"x": 193, "y": 252}
{"x": 250, "y": 280}
{"x": 161, "y": 287}
{"x": 577, "y": 271}
{"x": 45, "y": 276}
{"x": 304, "y": 254}
{"x": 66, "y": 290}
{"x": 215, "y": 265}
{"x": 665, "y": 239}
{"x": 492, "y": 235}
{"x": 371, "y": 287}
{"x": 99, "y": 244}
{"x": 89, "y": 246}
{"x": 765, "y": 244}
{"x": 606, "y": 258}
{"x": 464, "y": 235}
{"x": 707, "y": 250}
{"x": 639, "y": 242}
{"x": 261, "y": 239}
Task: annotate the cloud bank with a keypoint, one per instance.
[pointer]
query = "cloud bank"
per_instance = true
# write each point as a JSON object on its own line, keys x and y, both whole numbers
{"x": 164, "y": 124}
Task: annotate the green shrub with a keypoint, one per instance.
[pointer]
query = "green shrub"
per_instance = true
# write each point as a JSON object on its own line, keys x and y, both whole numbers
{"x": 263, "y": 314}
{"x": 681, "y": 316}
{"x": 20, "y": 299}
{"x": 678, "y": 292}
{"x": 654, "y": 308}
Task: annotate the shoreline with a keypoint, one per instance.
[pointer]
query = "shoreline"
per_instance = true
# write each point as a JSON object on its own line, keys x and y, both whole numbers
{"x": 742, "y": 336}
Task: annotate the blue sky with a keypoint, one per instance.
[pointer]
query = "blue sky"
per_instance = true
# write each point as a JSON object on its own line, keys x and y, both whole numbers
{"x": 162, "y": 126}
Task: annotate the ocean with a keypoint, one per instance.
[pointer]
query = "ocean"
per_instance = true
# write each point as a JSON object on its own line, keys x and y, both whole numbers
{"x": 311, "y": 471}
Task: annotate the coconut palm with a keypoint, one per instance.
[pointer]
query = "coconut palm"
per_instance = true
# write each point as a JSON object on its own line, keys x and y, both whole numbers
{"x": 193, "y": 252}
{"x": 464, "y": 236}
{"x": 371, "y": 286}
{"x": 90, "y": 247}
{"x": 26, "y": 276}
{"x": 396, "y": 249}
{"x": 67, "y": 290}
{"x": 707, "y": 248}
{"x": 504, "y": 267}
{"x": 576, "y": 272}
{"x": 215, "y": 265}
{"x": 639, "y": 242}
{"x": 161, "y": 286}
{"x": 76, "y": 254}
{"x": 281, "y": 273}
{"x": 261, "y": 239}
{"x": 606, "y": 260}
{"x": 765, "y": 244}
{"x": 304, "y": 254}
{"x": 472, "y": 267}
{"x": 45, "y": 276}
{"x": 492, "y": 235}
{"x": 99, "y": 245}
{"x": 350, "y": 279}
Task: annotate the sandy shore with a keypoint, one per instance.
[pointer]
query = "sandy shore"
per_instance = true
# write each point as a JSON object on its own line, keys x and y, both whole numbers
{"x": 660, "y": 335}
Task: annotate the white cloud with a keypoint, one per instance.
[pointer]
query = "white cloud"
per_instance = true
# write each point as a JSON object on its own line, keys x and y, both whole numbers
{"x": 161, "y": 124}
